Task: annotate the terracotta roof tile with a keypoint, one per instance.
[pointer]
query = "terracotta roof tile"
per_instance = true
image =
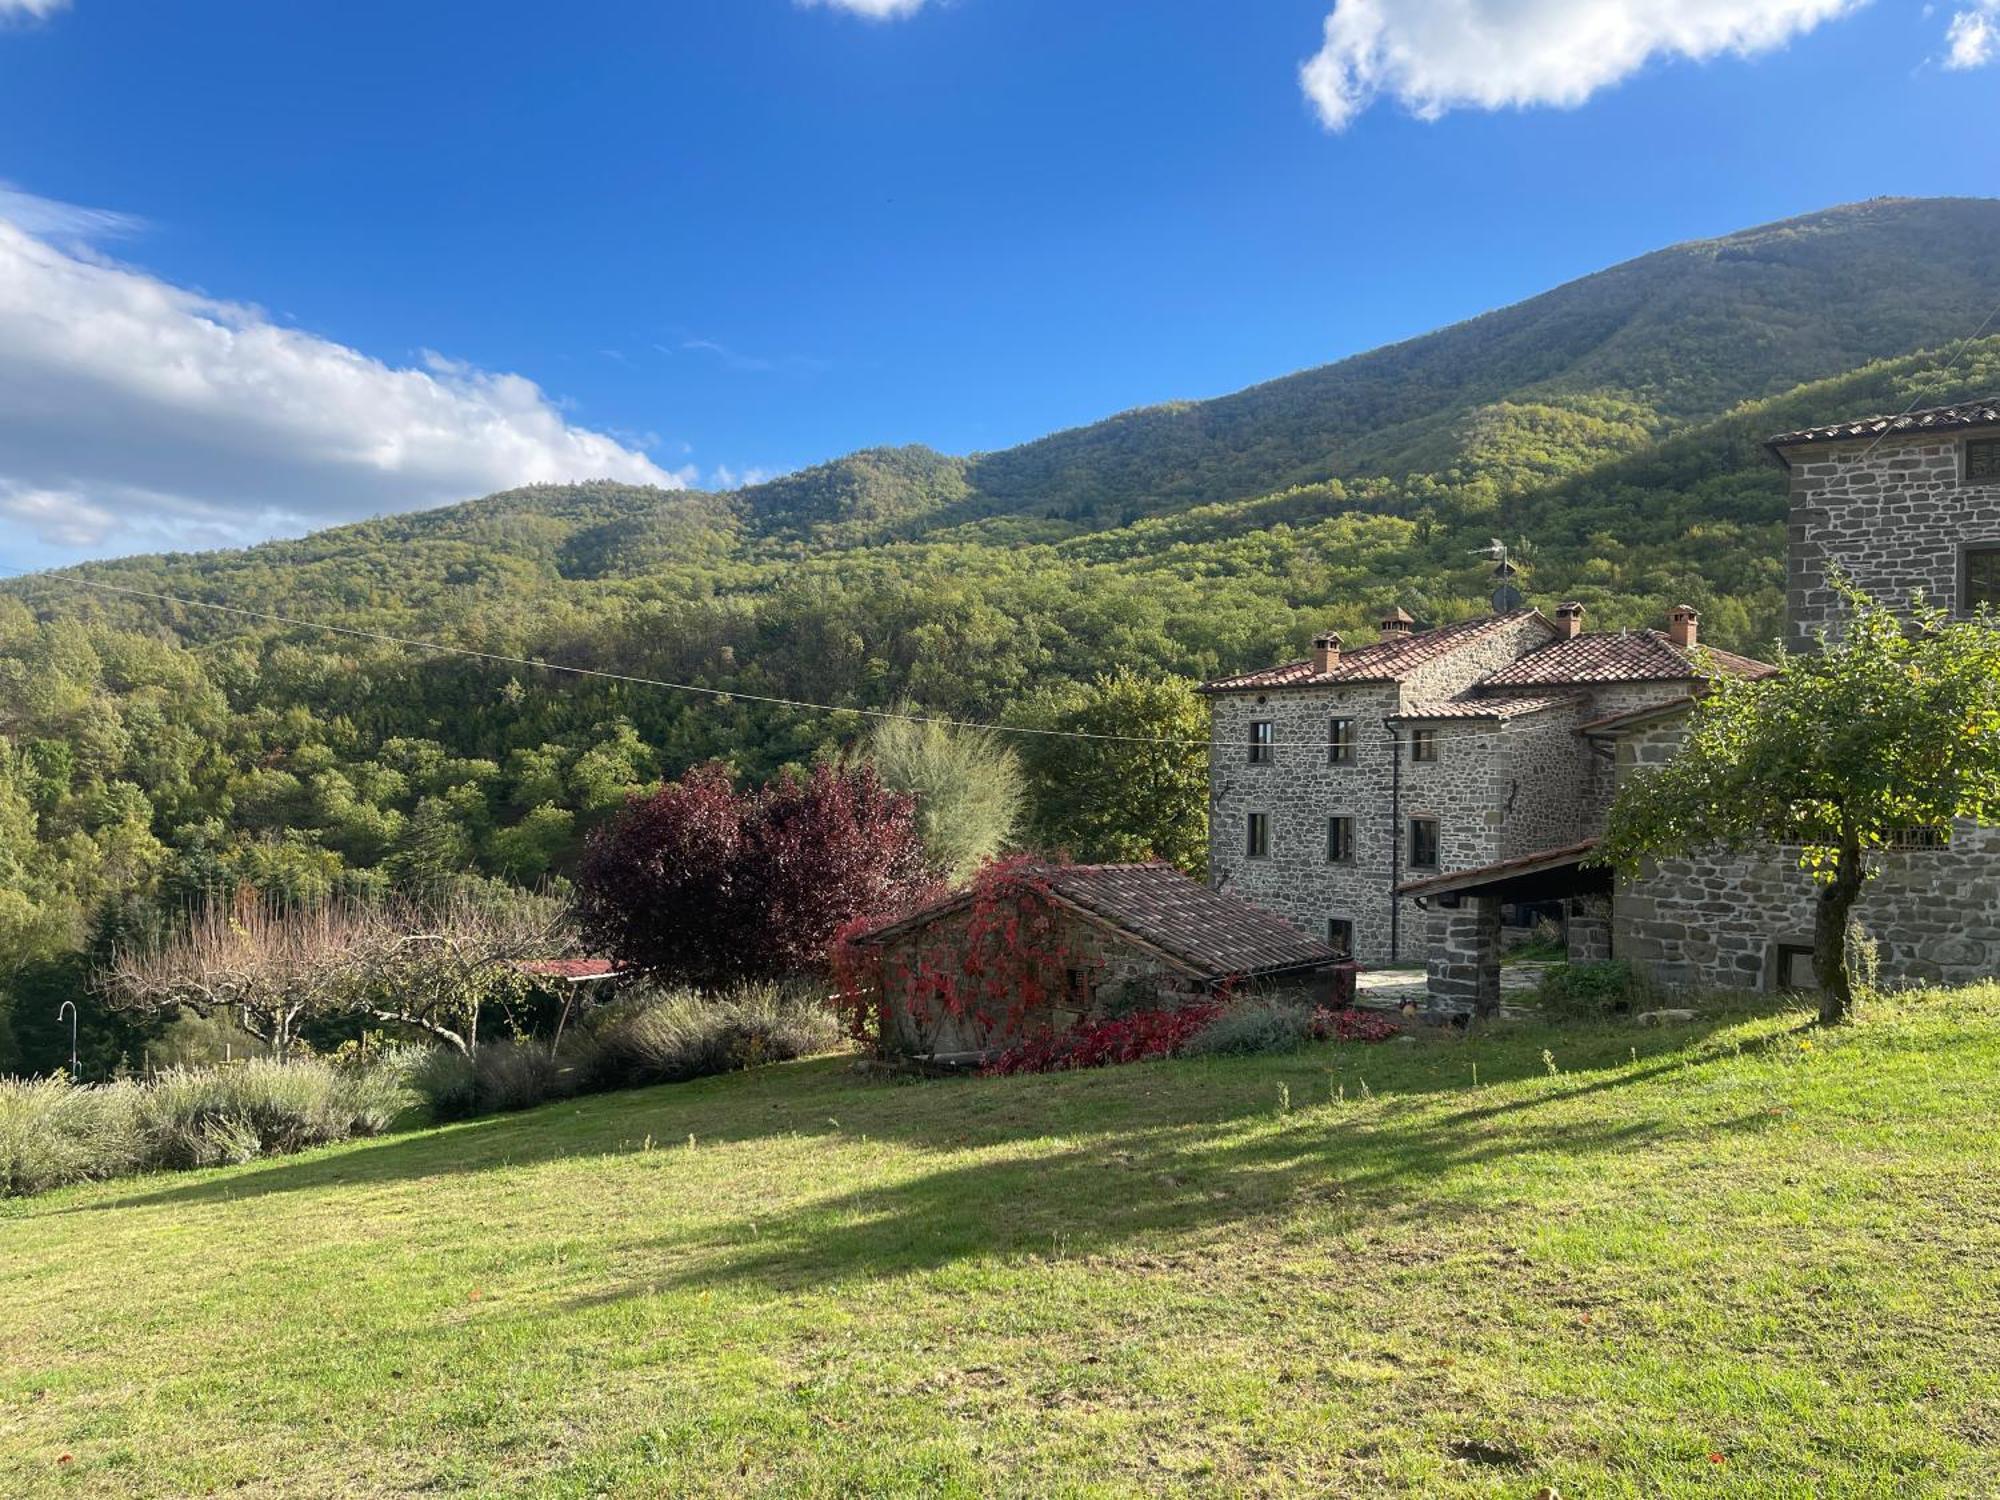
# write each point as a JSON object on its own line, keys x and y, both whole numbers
{"x": 1621, "y": 656}
{"x": 1984, "y": 413}
{"x": 1563, "y": 854}
{"x": 1213, "y": 934}
{"x": 1216, "y": 933}
{"x": 1490, "y": 706}
{"x": 1383, "y": 661}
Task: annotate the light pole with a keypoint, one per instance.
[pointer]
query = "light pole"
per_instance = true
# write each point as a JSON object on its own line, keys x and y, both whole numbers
{"x": 75, "y": 1071}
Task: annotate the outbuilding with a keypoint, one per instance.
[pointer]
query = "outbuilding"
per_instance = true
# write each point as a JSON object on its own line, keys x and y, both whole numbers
{"x": 1032, "y": 947}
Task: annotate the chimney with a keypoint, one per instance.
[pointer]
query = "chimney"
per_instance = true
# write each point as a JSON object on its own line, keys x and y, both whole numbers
{"x": 1396, "y": 626}
{"x": 1569, "y": 620}
{"x": 1684, "y": 627}
{"x": 1326, "y": 653}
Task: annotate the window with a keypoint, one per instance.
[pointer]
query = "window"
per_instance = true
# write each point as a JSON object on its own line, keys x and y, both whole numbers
{"x": 1340, "y": 742}
{"x": 1340, "y": 936}
{"x": 1423, "y": 843}
{"x": 1792, "y": 968}
{"x": 1981, "y": 574}
{"x": 1257, "y": 835}
{"x": 1260, "y": 742}
{"x": 1982, "y": 461}
{"x": 1423, "y": 746}
{"x": 1340, "y": 841}
{"x": 1079, "y": 986}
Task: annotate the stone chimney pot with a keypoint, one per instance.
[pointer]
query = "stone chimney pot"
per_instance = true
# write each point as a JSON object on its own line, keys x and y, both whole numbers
{"x": 1397, "y": 625}
{"x": 1684, "y": 627}
{"x": 1326, "y": 653}
{"x": 1569, "y": 620}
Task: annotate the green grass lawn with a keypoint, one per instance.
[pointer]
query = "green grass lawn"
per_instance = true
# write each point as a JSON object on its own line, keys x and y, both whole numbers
{"x": 1735, "y": 1258}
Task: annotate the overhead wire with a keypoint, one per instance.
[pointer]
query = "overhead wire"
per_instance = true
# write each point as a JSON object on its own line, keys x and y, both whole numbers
{"x": 1316, "y": 748}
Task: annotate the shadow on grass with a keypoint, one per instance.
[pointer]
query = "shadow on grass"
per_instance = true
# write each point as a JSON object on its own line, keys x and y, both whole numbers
{"x": 1331, "y": 1170}
{"x": 1129, "y": 1109}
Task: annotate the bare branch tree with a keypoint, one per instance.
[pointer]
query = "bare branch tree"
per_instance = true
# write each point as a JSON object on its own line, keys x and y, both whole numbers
{"x": 428, "y": 966}
{"x": 267, "y": 968}
{"x": 434, "y": 966}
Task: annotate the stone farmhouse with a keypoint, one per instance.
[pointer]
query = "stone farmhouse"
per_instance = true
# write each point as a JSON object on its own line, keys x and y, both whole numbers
{"x": 1338, "y": 779}
{"x": 1403, "y": 793}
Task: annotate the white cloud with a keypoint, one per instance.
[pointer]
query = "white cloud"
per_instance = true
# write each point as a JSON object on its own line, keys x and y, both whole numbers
{"x": 34, "y": 10}
{"x": 136, "y": 413}
{"x": 59, "y": 518}
{"x": 1439, "y": 55}
{"x": 1974, "y": 36}
{"x": 48, "y": 217}
{"x": 874, "y": 10}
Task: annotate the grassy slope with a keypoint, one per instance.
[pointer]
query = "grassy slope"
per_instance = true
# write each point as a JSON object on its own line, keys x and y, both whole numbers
{"x": 1715, "y": 1240}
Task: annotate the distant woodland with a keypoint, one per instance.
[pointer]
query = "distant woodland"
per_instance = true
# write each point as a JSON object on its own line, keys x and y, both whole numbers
{"x": 154, "y": 759}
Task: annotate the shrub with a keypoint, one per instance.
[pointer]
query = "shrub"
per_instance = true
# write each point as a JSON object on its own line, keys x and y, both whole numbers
{"x": 1350, "y": 1025}
{"x": 53, "y": 1132}
{"x": 655, "y": 1036}
{"x": 445, "y": 1082}
{"x": 210, "y": 1117}
{"x": 1115, "y": 1039}
{"x": 1254, "y": 1026}
{"x": 503, "y": 1076}
{"x": 1272, "y": 1025}
{"x": 1579, "y": 992}
{"x": 674, "y": 1035}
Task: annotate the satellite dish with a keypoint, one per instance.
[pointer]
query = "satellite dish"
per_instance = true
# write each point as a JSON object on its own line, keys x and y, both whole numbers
{"x": 1507, "y": 599}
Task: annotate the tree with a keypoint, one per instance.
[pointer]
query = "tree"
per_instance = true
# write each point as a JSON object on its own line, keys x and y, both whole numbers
{"x": 967, "y": 783}
{"x": 1894, "y": 726}
{"x": 710, "y": 884}
{"x": 275, "y": 968}
{"x": 268, "y": 968}
{"x": 434, "y": 967}
{"x": 1139, "y": 790}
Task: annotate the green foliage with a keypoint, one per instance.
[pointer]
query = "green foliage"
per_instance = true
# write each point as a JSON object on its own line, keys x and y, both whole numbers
{"x": 53, "y": 1132}
{"x": 1252, "y": 1026}
{"x": 1893, "y": 725}
{"x": 967, "y": 782}
{"x": 1592, "y": 991}
{"x": 164, "y": 758}
{"x": 1139, "y": 791}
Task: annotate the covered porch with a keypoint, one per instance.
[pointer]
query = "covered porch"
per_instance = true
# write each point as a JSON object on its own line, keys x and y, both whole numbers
{"x": 1463, "y": 919}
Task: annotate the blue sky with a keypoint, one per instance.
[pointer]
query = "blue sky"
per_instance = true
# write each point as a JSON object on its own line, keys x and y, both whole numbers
{"x": 718, "y": 238}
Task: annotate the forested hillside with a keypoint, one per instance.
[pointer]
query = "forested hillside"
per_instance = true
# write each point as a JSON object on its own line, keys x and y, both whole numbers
{"x": 152, "y": 756}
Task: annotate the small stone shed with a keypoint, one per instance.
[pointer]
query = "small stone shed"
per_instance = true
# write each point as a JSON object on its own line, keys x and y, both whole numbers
{"x": 1045, "y": 947}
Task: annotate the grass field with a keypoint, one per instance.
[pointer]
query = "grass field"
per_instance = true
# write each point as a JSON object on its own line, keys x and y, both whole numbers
{"x": 1733, "y": 1258}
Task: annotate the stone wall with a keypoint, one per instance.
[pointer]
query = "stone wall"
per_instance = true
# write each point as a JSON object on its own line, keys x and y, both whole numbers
{"x": 1122, "y": 974}
{"x": 1717, "y": 921}
{"x": 1544, "y": 784}
{"x": 1498, "y": 789}
{"x": 1299, "y": 791}
{"x": 1893, "y": 522}
{"x": 1474, "y": 661}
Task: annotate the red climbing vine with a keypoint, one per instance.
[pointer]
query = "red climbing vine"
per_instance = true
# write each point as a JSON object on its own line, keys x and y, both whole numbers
{"x": 997, "y": 964}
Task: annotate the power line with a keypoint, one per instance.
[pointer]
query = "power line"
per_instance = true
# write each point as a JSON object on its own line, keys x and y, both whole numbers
{"x": 1890, "y": 426}
{"x": 498, "y": 658}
